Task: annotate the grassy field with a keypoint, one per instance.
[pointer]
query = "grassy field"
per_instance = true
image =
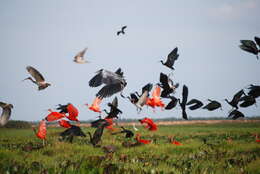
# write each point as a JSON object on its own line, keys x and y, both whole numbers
{"x": 214, "y": 149}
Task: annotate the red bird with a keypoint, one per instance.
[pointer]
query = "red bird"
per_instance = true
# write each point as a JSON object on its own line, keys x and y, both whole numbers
{"x": 138, "y": 138}
{"x": 95, "y": 105}
{"x": 257, "y": 138}
{"x": 155, "y": 101}
{"x": 64, "y": 123}
{"x": 150, "y": 124}
{"x": 53, "y": 116}
{"x": 110, "y": 122}
{"x": 177, "y": 143}
{"x": 41, "y": 130}
{"x": 73, "y": 113}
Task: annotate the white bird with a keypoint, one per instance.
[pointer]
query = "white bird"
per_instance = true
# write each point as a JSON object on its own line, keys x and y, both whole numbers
{"x": 79, "y": 58}
{"x": 134, "y": 127}
{"x": 6, "y": 114}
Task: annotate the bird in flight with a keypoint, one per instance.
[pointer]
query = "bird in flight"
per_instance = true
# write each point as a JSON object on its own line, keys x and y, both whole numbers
{"x": 39, "y": 79}
{"x": 251, "y": 46}
{"x": 6, "y": 113}
{"x": 171, "y": 58}
{"x": 121, "y": 31}
{"x": 79, "y": 58}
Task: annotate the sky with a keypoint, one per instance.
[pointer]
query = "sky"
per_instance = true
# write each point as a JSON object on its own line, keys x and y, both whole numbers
{"x": 48, "y": 34}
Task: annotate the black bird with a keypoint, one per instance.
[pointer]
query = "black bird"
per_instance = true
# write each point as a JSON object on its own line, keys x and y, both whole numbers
{"x": 6, "y": 113}
{"x": 212, "y": 105}
{"x": 250, "y": 46}
{"x": 196, "y": 104}
{"x": 98, "y": 122}
{"x": 69, "y": 133}
{"x": 114, "y": 82}
{"x": 122, "y": 30}
{"x": 171, "y": 58}
{"x": 235, "y": 99}
{"x": 184, "y": 101}
{"x": 247, "y": 101}
{"x": 128, "y": 133}
{"x": 114, "y": 111}
{"x": 235, "y": 114}
{"x": 172, "y": 103}
{"x": 167, "y": 85}
{"x": 254, "y": 91}
{"x": 96, "y": 138}
{"x": 133, "y": 98}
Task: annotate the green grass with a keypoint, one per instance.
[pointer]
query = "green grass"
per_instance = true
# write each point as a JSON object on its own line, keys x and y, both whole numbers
{"x": 205, "y": 150}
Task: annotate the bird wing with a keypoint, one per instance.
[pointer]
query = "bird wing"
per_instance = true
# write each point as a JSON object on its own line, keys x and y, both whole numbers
{"x": 248, "y": 49}
{"x": 81, "y": 53}
{"x": 147, "y": 88}
{"x": 257, "y": 40}
{"x": 134, "y": 97}
{"x": 2, "y": 104}
{"x": 238, "y": 95}
{"x": 124, "y": 27}
{"x": 142, "y": 100}
{"x": 184, "y": 94}
{"x": 192, "y": 101}
{"x": 172, "y": 103}
{"x": 97, "y": 79}
{"x": 5, "y": 116}
{"x": 118, "y": 33}
{"x": 36, "y": 74}
{"x": 119, "y": 72}
{"x": 164, "y": 80}
{"x": 109, "y": 90}
{"x": 173, "y": 56}
{"x": 115, "y": 102}
{"x": 249, "y": 45}
{"x": 156, "y": 92}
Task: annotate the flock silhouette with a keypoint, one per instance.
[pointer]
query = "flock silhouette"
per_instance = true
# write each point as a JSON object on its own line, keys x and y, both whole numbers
{"x": 151, "y": 96}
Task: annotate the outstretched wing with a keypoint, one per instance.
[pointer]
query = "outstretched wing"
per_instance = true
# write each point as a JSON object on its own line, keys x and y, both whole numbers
{"x": 172, "y": 57}
{"x": 109, "y": 90}
{"x": 5, "y": 116}
{"x": 96, "y": 80}
{"x": 172, "y": 103}
{"x": 164, "y": 80}
{"x": 81, "y": 53}
{"x": 123, "y": 28}
{"x": 36, "y": 74}
{"x": 257, "y": 40}
{"x": 115, "y": 102}
{"x": 238, "y": 95}
{"x": 184, "y": 95}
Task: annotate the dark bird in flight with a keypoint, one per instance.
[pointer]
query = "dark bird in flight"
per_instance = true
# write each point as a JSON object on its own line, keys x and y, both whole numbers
{"x": 127, "y": 132}
{"x": 96, "y": 138}
{"x": 172, "y": 103}
{"x": 114, "y": 111}
{"x": 184, "y": 101}
{"x": 39, "y": 79}
{"x": 167, "y": 85}
{"x": 212, "y": 105}
{"x": 254, "y": 91}
{"x": 71, "y": 132}
{"x": 196, "y": 104}
{"x": 250, "y": 46}
{"x": 235, "y": 99}
{"x": 247, "y": 101}
{"x": 235, "y": 114}
{"x": 79, "y": 58}
{"x": 114, "y": 82}
{"x": 171, "y": 58}
{"x": 6, "y": 113}
{"x": 133, "y": 98}
{"x": 121, "y": 31}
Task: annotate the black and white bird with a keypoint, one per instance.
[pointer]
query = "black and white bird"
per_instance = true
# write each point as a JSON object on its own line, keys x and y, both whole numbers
{"x": 167, "y": 85}
{"x": 171, "y": 58}
{"x": 39, "y": 79}
{"x": 183, "y": 103}
{"x": 6, "y": 113}
{"x": 114, "y": 82}
{"x": 235, "y": 99}
{"x": 212, "y": 105}
{"x": 196, "y": 104}
{"x": 122, "y": 31}
{"x": 79, "y": 58}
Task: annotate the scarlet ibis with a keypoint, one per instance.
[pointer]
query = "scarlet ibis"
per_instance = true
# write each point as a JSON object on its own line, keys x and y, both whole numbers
{"x": 167, "y": 85}
{"x": 114, "y": 111}
{"x": 39, "y": 79}
{"x": 171, "y": 58}
{"x": 6, "y": 113}
{"x": 64, "y": 123}
{"x": 96, "y": 138}
{"x": 247, "y": 101}
{"x": 235, "y": 99}
{"x": 155, "y": 101}
{"x": 254, "y": 91}
{"x": 42, "y": 131}
{"x": 212, "y": 105}
{"x": 79, "y": 58}
{"x": 114, "y": 82}
{"x": 185, "y": 93}
{"x": 172, "y": 103}
{"x": 196, "y": 104}
{"x": 250, "y": 46}
{"x": 235, "y": 114}
{"x": 95, "y": 106}
{"x": 53, "y": 116}
{"x": 70, "y": 109}
{"x": 71, "y": 132}
{"x": 143, "y": 141}
{"x": 121, "y": 31}
{"x": 150, "y": 123}
{"x": 128, "y": 133}
{"x": 257, "y": 138}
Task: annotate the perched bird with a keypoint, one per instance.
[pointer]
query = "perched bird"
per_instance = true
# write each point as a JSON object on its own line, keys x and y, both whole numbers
{"x": 114, "y": 111}
{"x": 121, "y": 31}
{"x": 172, "y": 103}
{"x": 127, "y": 132}
{"x": 235, "y": 114}
{"x": 212, "y": 105}
{"x": 39, "y": 79}
{"x": 235, "y": 99}
{"x": 196, "y": 104}
{"x": 114, "y": 82}
{"x": 254, "y": 91}
{"x": 79, "y": 58}
{"x": 6, "y": 113}
{"x": 71, "y": 132}
{"x": 184, "y": 101}
{"x": 247, "y": 101}
{"x": 96, "y": 138}
{"x": 167, "y": 85}
{"x": 171, "y": 58}
{"x": 250, "y": 46}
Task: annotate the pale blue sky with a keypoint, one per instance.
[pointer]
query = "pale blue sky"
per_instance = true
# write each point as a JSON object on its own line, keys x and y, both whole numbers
{"x": 47, "y": 35}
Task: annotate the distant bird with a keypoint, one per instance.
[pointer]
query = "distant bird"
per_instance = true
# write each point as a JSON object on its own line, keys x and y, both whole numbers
{"x": 185, "y": 93}
{"x": 247, "y": 101}
{"x": 250, "y": 46}
{"x": 71, "y": 132}
{"x": 171, "y": 58}
{"x": 64, "y": 123}
{"x": 235, "y": 99}
{"x": 70, "y": 109}
{"x": 212, "y": 105}
{"x": 95, "y": 106}
{"x": 143, "y": 98}
{"x": 142, "y": 141}
{"x": 6, "y": 113}
{"x": 172, "y": 103}
{"x": 121, "y": 31}
{"x": 127, "y": 132}
{"x": 114, "y": 82}
{"x": 254, "y": 91}
{"x": 114, "y": 111}
{"x": 196, "y": 104}
{"x": 135, "y": 129}
{"x": 96, "y": 138}
{"x": 39, "y": 79}
{"x": 149, "y": 123}
{"x": 167, "y": 85}
{"x": 79, "y": 58}
{"x": 235, "y": 114}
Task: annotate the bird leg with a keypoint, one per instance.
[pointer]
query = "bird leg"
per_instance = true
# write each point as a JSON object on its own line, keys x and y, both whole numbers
{"x": 29, "y": 78}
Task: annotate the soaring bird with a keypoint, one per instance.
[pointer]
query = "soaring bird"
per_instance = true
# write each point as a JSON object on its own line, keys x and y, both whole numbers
{"x": 121, "y": 31}
{"x": 114, "y": 111}
{"x": 235, "y": 114}
{"x": 114, "y": 82}
{"x": 254, "y": 91}
{"x": 250, "y": 46}
{"x": 185, "y": 93}
{"x": 69, "y": 133}
{"x": 171, "y": 58}
{"x": 79, "y": 58}
{"x": 96, "y": 138}
{"x": 6, "y": 113}
{"x": 39, "y": 79}
{"x": 127, "y": 132}
{"x": 167, "y": 85}
{"x": 172, "y": 103}
{"x": 235, "y": 99}
{"x": 212, "y": 105}
{"x": 196, "y": 104}
{"x": 247, "y": 101}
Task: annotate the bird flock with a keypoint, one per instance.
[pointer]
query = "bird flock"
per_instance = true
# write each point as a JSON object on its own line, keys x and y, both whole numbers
{"x": 113, "y": 82}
